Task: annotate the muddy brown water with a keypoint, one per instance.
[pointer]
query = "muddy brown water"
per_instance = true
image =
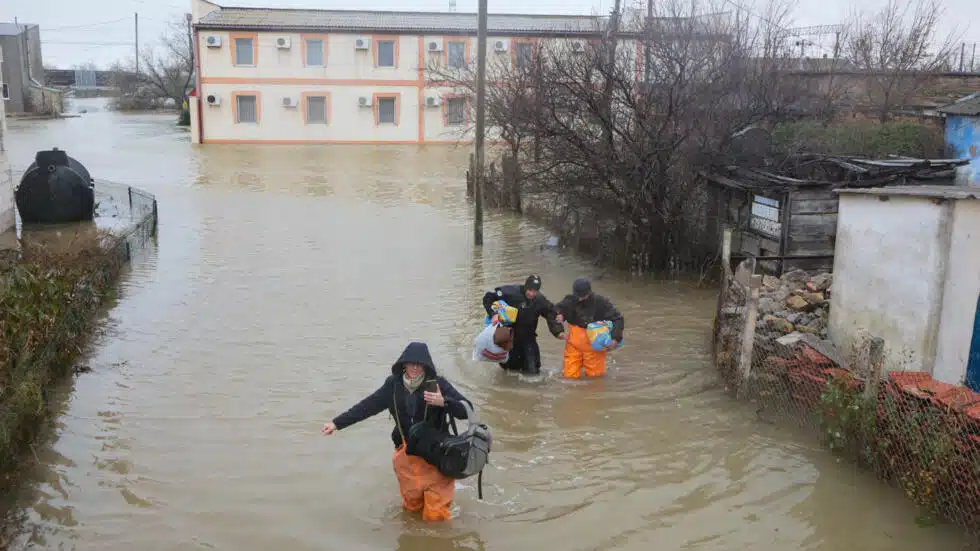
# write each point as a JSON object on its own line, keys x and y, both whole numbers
{"x": 283, "y": 283}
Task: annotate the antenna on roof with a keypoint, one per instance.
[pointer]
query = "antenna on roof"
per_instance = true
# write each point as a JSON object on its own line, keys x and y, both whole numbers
{"x": 452, "y": 6}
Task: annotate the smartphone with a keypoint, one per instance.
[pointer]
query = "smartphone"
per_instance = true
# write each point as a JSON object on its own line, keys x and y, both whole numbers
{"x": 431, "y": 385}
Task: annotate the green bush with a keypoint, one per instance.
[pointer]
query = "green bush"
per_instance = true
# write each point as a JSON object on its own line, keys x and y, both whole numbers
{"x": 868, "y": 138}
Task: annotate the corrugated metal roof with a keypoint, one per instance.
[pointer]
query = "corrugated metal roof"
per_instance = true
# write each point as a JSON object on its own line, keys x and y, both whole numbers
{"x": 391, "y": 21}
{"x": 14, "y": 29}
{"x": 968, "y": 106}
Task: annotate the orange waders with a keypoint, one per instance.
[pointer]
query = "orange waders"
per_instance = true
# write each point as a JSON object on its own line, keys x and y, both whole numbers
{"x": 422, "y": 486}
{"x": 579, "y": 353}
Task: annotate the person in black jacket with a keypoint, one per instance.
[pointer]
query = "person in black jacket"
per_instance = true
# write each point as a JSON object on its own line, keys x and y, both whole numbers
{"x": 579, "y": 309}
{"x": 406, "y": 397}
{"x": 530, "y": 303}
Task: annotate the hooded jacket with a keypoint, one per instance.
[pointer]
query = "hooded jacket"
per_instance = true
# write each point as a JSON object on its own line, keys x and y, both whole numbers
{"x": 595, "y": 308}
{"x": 411, "y": 407}
{"x": 528, "y": 311}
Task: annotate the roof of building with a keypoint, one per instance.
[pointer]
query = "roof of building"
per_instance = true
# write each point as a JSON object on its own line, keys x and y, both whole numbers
{"x": 968, "y": 106}
{"x": 14, "y": 29}
{"x": 395, "y": 21}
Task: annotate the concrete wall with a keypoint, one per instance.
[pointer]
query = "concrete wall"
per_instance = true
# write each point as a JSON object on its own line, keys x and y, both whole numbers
{"x": 963, "y": 137}
{"x": 7, "y": 217}
{"x": 907, "y": 269}
{"x": 13, "y": 73}
{"x": 956, "y": 325}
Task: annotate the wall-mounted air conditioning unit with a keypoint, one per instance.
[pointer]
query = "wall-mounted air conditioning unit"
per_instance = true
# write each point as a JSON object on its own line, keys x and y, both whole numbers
{"x": 433, "y": 44}
{"x": 213, "y": 41}
{"x": 288, "y": 102}
{"x": 432, "y": 101}
{"x": 578, "y": 46}
{"x": 213, "y": 99}
{"x": 362, "y": 43}
{"x": 284, "y": 43}
{"x": 364, "y": 101}
{"x": 500, "y": 45}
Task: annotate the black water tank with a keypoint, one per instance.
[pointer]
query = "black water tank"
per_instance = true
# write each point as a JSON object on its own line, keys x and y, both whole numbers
{"x": 56, "y": 188}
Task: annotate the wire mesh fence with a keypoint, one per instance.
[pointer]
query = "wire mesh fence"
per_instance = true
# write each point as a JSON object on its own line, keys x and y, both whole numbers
{"x": 910, "y": 430}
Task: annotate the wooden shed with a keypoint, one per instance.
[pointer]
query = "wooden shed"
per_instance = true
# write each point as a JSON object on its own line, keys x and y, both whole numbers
{"x": 786, "y": 217}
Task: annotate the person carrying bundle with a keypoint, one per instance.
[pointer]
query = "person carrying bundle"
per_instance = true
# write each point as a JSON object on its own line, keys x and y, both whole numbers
{"x": 525, "y": 355}
{"x": 583, "y": 309}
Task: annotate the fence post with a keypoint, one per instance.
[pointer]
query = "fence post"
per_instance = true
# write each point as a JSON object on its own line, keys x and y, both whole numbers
{"x": 748, "y": 332}
{"x": 876, "y": 357}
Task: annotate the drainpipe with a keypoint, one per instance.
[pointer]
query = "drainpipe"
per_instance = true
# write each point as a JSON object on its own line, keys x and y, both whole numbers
{"x": 197, "y": 86}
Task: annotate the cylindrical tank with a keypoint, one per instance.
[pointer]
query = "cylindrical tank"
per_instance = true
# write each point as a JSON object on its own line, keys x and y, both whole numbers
{"x": 56, "y": 188}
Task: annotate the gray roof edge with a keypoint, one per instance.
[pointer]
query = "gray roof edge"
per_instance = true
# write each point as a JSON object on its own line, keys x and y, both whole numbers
{"x": 956, "y": 192}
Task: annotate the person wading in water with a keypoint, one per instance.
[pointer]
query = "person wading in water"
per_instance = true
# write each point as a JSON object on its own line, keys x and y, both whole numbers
{"x": 414, "y": 394}
{"x": 579, "y": 309}
{"x": 530, "y": 303}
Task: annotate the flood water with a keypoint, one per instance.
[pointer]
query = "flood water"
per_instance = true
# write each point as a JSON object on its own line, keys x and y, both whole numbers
{"x": 283, "y": 284}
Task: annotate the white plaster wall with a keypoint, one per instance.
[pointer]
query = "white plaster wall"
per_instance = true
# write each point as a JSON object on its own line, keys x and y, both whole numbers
{"x": 960, "y": 295}
{"x": 347, "y": 121}
{"x": 7, "y": 217}
{"x": 886, "y": 276}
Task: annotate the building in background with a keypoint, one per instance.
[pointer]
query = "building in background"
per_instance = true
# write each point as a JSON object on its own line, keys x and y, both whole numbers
{"x": 23, "y": 72}
{"x": 337, "y": 76}
{"x": 963, "y": 135}
{"x": 7, "y": 218}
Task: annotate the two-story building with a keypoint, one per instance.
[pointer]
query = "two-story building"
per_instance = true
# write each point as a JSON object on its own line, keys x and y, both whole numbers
{"x": 279, "y": 76}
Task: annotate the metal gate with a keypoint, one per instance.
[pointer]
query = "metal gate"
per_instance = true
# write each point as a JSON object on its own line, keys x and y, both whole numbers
{"x": 973, "y": 364}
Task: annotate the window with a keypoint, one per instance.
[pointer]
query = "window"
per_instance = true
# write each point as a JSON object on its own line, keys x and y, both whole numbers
{"x": 386, "y": 53}
{"x": 247, "y": 108}
{"x": 523, "y": 51}
{"x": 244, "y": 52}
{"x": 455, "y": 111}
{"x": 387, "y": 110}
{"x": 456, "y": 54}
{"x": 316, "y": 110}
{"x": 314, "y": 52}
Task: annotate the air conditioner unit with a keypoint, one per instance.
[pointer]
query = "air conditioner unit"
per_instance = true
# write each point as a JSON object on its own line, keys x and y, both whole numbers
{"x": 578, "y": 46}
{"x": 432, "y": 101}
{"x": 362, "y": 43}
{"x": 435, "y": 46}
{"x": 213, "y": 99}
{"x": 213, "y": 41}
{"x": 283, "y": 43}
{"x": 288, "y": 102}
{"x": 500, "y": 45}
{"x": 364, "y": 101}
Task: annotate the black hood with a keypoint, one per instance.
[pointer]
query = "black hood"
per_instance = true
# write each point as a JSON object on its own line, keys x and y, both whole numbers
{"x": 415, "y": 352}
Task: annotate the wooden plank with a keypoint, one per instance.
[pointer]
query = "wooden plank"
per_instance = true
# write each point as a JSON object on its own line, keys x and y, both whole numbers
{"x": 810, "y": 248}
{"x": 814, "y": 206}
{"x": 813, "y": 194}
{"x": 812, "y": 266}
{"x": 812, "y": 227}
{"x": 757, "y": 245}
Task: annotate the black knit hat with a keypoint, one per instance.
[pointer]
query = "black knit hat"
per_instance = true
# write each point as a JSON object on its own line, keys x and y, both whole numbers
{"x": 582, "y": 288}
{"x": 533, "y": 283}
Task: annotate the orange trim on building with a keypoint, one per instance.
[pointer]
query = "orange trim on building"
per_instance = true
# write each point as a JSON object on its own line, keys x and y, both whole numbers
{"x": 385, "y": 38}
{"x": 464, "y": 39}
{"x": 304, "y": 98}
{"x": 258, "y": 105}
{"x": 377, "y": 108}
{"x": 255, "y": 48}
{"x": 304, "y": 37}
{"x": 299, "y": 80}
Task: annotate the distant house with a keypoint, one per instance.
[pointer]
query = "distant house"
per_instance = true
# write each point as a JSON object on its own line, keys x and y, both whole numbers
{"x": 963, "y": 135}
{"x": 23, "y": 71}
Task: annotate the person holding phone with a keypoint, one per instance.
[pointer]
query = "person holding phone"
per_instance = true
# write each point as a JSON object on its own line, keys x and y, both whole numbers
{"x": 416, "y": 397}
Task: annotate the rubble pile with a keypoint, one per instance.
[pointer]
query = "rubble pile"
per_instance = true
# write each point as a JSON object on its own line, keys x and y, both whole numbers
{"x": 794, "y": 302}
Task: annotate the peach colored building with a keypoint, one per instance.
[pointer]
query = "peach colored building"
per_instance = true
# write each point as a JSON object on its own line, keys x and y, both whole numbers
{"x": 356, "y": 77}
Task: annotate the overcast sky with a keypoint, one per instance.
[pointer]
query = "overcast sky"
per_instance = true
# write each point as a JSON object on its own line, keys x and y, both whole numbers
{"x": 102, "y": 31}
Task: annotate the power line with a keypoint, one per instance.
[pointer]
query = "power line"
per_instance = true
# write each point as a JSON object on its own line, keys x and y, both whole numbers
{"x": 87, "y": 43}
{"x": 83, "y": 26}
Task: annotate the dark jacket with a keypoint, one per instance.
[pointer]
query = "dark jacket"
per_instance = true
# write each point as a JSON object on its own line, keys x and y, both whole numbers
{"x": 594, "y": 308}
{"x": 410, "y": 406}
{"x": 528, "y": 310}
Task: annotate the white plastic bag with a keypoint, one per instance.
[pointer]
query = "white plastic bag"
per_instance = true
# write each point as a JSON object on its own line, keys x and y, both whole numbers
{"x": 484, "y": 350}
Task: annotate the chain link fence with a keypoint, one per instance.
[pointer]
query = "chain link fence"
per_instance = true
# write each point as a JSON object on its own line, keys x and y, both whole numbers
{"x": 922, "y": 435}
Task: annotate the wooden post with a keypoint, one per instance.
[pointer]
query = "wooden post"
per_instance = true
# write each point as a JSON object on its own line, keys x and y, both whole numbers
{"x": 481, "y": 110}
{"x": 876, "y": 357}
{"x": 726, "y": 255}
{"x": 470, "y": 176}
{"x": 748, "y": 332}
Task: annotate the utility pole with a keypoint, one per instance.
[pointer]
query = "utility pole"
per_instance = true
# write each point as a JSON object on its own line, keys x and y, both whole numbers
{"x": 646, "y": 53}
{"x": 481, "y": 112}
{"x": 136, "y": 25}
{"x": 612, "y": 38}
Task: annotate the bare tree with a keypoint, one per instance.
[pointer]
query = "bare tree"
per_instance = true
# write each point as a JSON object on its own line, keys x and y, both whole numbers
{"x": 899, "y": 49}
{"x": 168, "y": 70}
